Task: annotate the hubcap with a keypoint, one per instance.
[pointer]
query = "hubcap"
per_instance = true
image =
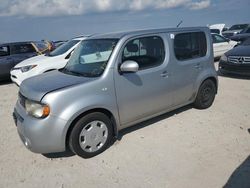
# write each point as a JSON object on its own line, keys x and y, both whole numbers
{"x": 93, "y": 136}
{"x": 206, "y": 94}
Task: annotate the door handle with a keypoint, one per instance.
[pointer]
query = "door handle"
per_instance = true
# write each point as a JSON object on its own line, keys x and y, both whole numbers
{"x": 198, "y": 66}
{"x": 164, "y": 74}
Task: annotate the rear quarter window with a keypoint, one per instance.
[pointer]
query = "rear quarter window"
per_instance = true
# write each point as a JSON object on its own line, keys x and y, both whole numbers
{"x": 190, "y": 45}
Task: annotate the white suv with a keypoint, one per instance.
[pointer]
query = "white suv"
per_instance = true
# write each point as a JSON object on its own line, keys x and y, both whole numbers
{"x": 56, "y": 59}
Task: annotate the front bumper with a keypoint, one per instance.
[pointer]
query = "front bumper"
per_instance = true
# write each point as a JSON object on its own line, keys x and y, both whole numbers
{"x": 237, "y": 69}
{"x": 40, "y": 135}
{"x": 16, "y": 77}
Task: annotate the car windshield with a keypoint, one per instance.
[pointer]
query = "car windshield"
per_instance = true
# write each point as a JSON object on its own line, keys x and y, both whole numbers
{"x": 246, "y": 42}
{"x": 215, "y": 31}
{"x": 90, "y": 57}
{"x": 246, "y": 30}
{"x": 63, "y": 48}
{"x": 238, "y": 27}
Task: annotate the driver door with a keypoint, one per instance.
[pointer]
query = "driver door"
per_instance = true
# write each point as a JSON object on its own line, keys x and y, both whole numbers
{"x": 148, "y": 91}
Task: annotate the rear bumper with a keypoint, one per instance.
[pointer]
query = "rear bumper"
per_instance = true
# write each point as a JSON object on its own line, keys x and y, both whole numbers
{"x": 237, "y": 69}
{"x": 40, "y": 135}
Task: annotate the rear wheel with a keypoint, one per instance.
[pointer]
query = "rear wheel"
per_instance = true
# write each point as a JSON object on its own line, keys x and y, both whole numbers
{"x": 91, "y": 135}
{"x": 206, "y": 95}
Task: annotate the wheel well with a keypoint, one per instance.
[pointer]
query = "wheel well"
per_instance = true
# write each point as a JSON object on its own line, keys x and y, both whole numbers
{"x": 214, "y": 81}
{"x": 102, "y": 110}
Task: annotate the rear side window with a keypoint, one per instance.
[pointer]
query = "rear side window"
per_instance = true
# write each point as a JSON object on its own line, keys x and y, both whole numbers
{"x": 4, "y": 51}
{"x": 22, "y": 48}
{"x": 190, "y": 45}
{"x": 147, "y": 51}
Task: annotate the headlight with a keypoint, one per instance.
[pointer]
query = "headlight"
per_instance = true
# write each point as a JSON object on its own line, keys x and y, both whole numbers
{"x": 27, "y": 68}
{"x": 36, "y": 110}
{"x": 223, "y": 58}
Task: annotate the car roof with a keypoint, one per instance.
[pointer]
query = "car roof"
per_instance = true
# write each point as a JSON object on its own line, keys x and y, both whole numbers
{"x": 15, "y": 43}
{"x": 121, "y": 34}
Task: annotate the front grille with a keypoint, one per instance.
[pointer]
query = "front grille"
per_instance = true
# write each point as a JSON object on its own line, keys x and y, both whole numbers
{"x": 239, "y": 60}
{"x": 22, "y": 99}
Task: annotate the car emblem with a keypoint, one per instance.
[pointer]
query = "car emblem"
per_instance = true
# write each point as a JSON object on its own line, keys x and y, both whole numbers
{"x": 241, "y": 59}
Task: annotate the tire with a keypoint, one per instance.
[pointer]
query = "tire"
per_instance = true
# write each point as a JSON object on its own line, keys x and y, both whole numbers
{"x": 91, "y": 135}
{"x": 206, "y": 95}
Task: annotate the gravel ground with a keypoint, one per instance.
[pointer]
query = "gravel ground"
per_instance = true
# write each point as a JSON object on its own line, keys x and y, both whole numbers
{"x": 184, "y": 148}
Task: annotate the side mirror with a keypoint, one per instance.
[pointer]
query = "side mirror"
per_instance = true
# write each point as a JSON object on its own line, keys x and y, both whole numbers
{"x": 129, "y": 66}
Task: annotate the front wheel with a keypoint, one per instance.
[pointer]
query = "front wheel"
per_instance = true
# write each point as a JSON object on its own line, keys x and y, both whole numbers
{"x": 91, "y": 135}
{"x": 206, "y": 95}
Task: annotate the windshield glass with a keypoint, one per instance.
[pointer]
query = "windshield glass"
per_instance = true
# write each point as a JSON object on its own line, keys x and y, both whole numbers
{"x": 215, "y": 31}
{"x": 246, "y": 30}
{"x": 90, "y": 57}
{"x": 238, "y": 27}
{"x": 63, "y": 48}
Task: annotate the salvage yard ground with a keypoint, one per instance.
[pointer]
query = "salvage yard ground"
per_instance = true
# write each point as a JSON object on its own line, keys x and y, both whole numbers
{"x": 184, "y": 148}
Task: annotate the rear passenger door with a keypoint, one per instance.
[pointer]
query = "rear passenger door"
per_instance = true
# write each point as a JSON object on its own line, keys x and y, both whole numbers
{"x": 147, "y": 91}
{"x": 189, "y": 55}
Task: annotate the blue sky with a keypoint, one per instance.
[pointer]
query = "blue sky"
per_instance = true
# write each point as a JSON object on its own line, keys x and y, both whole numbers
{"x": 22, "y": 20}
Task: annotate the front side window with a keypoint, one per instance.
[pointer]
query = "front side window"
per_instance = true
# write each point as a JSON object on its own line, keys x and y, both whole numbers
{"x": 90, "y": 58}
{"x": 218, "y": 39}
{"x": 63, "y": 48}
{"x": 22, "y": 48}
{"x": 147, "y": 51}
{"x": 190, "y": 45}
{"x": 4, "y": 51}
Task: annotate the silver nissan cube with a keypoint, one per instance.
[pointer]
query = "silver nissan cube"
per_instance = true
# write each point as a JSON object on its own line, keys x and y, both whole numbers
{"x": 113, "y": 81}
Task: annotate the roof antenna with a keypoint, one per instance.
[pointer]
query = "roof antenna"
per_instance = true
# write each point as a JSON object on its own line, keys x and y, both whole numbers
{"x": 179, "y": 23}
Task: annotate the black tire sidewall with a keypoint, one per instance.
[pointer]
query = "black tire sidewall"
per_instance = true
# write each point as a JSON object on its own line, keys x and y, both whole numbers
{"x": 198, "y": 101}
{"x": 74, "y": 144}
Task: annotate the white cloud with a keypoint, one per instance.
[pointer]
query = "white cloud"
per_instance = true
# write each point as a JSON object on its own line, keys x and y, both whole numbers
{"x": 199, "y": 5}
{"x": 77, "y": 7}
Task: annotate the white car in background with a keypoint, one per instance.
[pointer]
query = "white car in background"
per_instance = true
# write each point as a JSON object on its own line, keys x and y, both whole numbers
{"x": 217, "y": 28}
{"x": 221, "y": 45}
{"x": 56, "y": 59}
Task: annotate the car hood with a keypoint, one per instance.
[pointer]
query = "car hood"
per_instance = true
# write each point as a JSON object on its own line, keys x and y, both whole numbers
{"x": 35, "y": 88}
{"x": 239, "y": 51}
{"x": 31, "y": 61}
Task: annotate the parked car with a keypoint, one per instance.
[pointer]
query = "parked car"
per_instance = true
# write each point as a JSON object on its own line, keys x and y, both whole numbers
{"x": 218, "y": 28}
{"x": 221, "y": 45}
{"x": 12, "y": 54}
{"x": 56, "y": 59}
{"x": 243, "y": 35}
{"x": 234, "y": 30}
{"x": 237, "y": 60}
{"x": 113, "y": 81}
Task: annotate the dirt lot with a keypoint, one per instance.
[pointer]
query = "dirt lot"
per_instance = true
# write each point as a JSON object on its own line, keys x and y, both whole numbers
{"x": 185, "y": 148}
